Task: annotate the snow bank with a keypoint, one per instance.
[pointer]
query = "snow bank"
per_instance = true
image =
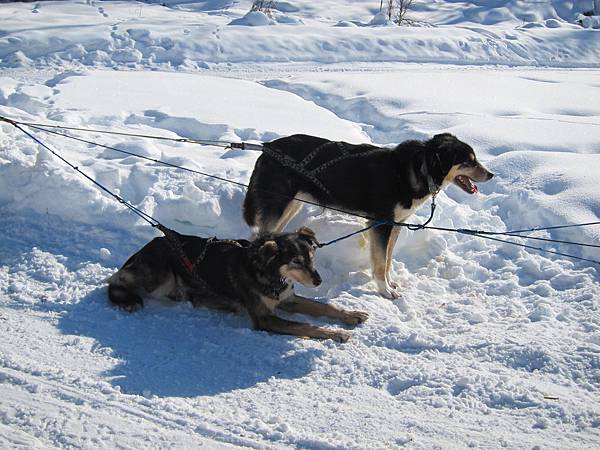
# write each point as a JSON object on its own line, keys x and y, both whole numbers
{"x": 169, "y": 104}
{"x": 589, "y": 21}
{"x": 122, "y": 35}
{"x": 253, "y": 19}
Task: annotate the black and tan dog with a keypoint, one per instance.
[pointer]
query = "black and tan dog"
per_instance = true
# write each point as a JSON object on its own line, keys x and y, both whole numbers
{"x": 386, "y": 184}
{"x": 234, "y": 275}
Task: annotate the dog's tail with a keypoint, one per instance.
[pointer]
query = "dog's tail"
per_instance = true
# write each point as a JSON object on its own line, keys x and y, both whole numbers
{"x": 250, "y": 206}
{"x": 121, "y": 295}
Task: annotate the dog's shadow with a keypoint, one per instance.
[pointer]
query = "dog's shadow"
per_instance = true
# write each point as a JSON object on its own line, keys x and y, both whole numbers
{"x": 167, "y": 350}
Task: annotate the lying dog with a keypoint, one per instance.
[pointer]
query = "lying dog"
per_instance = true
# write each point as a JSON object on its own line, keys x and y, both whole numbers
{"x": 233, "y": 275}
{"x": 385, "y": 184}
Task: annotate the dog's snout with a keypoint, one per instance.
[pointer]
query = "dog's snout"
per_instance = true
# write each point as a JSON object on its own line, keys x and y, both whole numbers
{"x": 482, "y": 174}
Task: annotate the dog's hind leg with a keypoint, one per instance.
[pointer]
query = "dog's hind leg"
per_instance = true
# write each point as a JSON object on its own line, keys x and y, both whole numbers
{"x": 303, "y": 305}
{"x": 135, "y": 276}
{"x": 268, "y": 205}
{"x": 120, "y": 291}
{"x": 276, "y": 214}
{"x": 379, "y": 239}
{"x": 288, "y": 214}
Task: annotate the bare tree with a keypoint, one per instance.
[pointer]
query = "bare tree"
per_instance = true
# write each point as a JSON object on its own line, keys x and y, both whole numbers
{"x": 263, "y": 5}
{"x": 390, "y": 9}
{"x": 396, "y": 9}
{"x": 402, "y": 6}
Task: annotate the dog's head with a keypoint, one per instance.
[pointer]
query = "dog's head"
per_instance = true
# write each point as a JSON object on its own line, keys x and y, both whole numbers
{"x": 290, "y": 255}
{"x": 450, "y": 160}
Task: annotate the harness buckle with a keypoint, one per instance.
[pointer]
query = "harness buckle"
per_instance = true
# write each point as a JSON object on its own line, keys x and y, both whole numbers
{"x": 434, "y": 189}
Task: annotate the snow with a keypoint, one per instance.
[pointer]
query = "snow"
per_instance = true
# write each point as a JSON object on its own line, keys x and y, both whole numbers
{"x": 490, "y": 346}
{"x": 201, "y": 107}
{"x": 253, "y": 19}
{"x": 589, "y": 21}
{"x": 131, "y": 34}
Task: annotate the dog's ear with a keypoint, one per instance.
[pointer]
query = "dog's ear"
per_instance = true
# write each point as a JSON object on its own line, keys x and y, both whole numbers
{"x": 309, "y": 235}
{"x": 441, "y": 154}
{"x": 305, "y": 231}
{"x": 268, "y": 249}
{"x": 443, "y": 141}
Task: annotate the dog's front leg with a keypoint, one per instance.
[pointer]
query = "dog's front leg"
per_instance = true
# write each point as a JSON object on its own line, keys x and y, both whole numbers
{"x": 390, "y": 256}
{"x": 303, "y": 305}
{"x": 379, "y": 238}
{"x": 261, "y": 310}
{"x": 278, "y": 325}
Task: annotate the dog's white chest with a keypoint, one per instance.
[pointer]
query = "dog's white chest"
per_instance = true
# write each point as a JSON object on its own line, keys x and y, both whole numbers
{"x": 401, "y": 213}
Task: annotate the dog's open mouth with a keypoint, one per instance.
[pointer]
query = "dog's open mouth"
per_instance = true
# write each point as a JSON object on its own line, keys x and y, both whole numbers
{"x": 465, "y": 183}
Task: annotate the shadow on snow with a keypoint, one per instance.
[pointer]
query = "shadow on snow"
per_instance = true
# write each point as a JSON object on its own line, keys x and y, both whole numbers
{"x": 167, "y": 348}
{"x": 175, "y": 350}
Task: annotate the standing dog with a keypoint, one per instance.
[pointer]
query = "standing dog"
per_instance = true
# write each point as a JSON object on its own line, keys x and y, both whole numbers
{"x": 233, "y": 275}
{"x": 385, "y": 184}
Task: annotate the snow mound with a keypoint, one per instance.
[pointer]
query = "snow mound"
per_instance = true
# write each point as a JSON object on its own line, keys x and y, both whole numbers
{"x": 589, "y": 21}
{"x": 380, "y": 19}
{"x": 254, "y": 19}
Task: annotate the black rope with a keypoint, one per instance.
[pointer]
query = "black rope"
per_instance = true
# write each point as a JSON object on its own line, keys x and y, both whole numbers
{"x": 349, "y": 235}
{"x": 534, "y": 238}
{"x": 476, "y": 233}
{"x": 479, "y": 233}
{"x": 205, "y": 174}
{"x": 553, "y": 228}
{"x": 137, "y": 155}
{"x": 171, "y": 235}
{"x": 424, "y": 225}
{"x": 151, "y": 220}
{"x": 411, "y": 227}
{"x": 121, "y": 133}
{"x": 540, "y": 249}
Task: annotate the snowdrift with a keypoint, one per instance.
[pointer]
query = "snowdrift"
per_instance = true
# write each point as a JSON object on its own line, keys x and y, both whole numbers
{"x": 125, "y": 34}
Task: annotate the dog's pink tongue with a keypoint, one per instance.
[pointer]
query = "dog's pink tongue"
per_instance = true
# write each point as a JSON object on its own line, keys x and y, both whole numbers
{"x": 472, "y": 186}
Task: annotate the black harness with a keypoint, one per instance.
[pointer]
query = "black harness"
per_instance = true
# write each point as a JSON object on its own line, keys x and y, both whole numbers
{"x": 174, "y": 241}
{"x": 269, "y": 286}
{"x": 312, "y": 174}
{"x": 301, "y": 167}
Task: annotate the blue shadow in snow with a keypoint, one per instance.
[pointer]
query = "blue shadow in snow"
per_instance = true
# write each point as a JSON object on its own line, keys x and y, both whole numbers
{"x": 164, "y": 349}
{"x": 173, "y": 350}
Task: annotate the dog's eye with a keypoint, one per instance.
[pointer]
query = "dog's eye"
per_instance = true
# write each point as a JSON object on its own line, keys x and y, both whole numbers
{"x": 297, "y": 262}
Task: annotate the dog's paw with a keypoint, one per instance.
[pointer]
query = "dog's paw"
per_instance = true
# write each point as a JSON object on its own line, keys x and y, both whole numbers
{"x": 386, "y": 290}
{"x": 340, "y": 336}
{"x": 395, "y": 286}
{"x": 355, "y": 317}
{"x": 131, "y": 308}
{"x": 390, "y": 294}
